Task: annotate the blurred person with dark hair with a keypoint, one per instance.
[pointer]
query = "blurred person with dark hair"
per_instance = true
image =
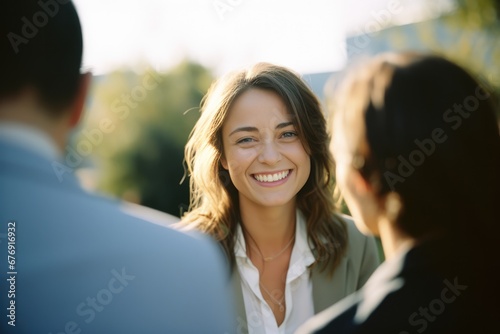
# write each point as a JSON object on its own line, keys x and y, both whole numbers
{"x": 71, "y": 261}
{"x": 417, "y": 151}
{"x": 260, "y": 182}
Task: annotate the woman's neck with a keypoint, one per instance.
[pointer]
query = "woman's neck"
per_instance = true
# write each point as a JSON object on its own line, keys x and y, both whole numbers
{"x": 393, "y": 239}
{"x": 270, "y": 228}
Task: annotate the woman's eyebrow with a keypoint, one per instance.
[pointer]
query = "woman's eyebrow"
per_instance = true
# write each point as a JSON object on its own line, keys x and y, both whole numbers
{"x": 244, "y": 129}
{"x": 254, "y": 129}
{"x": 284, "y": 125}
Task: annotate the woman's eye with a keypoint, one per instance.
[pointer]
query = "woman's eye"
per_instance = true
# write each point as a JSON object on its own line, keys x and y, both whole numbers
{"x": 289, "y": 134}
{"x": 244, "y": 140}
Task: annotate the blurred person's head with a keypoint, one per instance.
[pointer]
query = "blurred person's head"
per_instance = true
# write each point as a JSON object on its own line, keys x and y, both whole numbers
{"x": 40, "y": 82}
{"x": 214, "y": 197}
{"x": 416, "y": 142}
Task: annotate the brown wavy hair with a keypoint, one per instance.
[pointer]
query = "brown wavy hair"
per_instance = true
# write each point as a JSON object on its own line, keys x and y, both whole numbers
{"x": 214, "y": 204}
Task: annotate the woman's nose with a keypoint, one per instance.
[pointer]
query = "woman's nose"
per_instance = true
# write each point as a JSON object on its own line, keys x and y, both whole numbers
{"x": 269, "y": 153}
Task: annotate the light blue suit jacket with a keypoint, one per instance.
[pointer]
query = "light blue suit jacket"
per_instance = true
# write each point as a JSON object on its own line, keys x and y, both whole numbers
{"x": 86, "y": 264}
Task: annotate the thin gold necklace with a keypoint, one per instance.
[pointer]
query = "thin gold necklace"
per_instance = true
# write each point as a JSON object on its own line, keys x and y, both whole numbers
{"x": 269, "y": 258}
{"x": 274, "y": 300}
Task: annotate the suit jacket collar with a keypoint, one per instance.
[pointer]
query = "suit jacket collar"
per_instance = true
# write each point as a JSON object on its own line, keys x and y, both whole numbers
{"x": 29, "y": 138}
{"x": 18, "y": 161}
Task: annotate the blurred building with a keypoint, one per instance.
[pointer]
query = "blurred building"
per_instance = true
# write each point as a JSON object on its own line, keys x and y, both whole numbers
{"x": 475, "y": 47}
{"x": 479, "y": 48}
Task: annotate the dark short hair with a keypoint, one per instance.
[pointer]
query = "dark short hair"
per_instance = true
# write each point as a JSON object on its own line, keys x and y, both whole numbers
{"x": 41, "y": 47}
{"x": 430, "y": 135}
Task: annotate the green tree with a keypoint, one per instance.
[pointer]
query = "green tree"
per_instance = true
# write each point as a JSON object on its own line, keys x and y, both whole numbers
{"x": 483, "y": 14}
{"x": 149, "y": 117}
{"x": 478, "y": 46}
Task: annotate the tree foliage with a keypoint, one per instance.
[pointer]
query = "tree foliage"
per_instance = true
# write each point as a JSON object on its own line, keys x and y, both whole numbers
{"x": 484, "y": 14}
{"x": 151, "y": 116}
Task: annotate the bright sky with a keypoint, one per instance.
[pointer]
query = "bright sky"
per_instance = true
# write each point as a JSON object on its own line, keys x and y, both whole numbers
{"x": 307, "y": 36}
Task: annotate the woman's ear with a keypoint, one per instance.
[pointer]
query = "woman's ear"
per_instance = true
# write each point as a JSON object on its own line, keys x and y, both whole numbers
{"x": 361, "y": 185}
{"x": 223, "y": 162}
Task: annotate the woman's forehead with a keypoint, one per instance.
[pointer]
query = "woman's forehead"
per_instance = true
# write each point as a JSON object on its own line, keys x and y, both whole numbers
{"x": 257, "y": 106}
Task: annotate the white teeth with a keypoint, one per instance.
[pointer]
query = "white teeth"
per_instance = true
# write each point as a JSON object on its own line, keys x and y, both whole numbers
{"x": 271, "y": 177}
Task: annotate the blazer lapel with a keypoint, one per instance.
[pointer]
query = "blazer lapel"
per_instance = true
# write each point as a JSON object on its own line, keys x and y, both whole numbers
{"x": 328, "y": 289}
{"x": 238, "y": 297}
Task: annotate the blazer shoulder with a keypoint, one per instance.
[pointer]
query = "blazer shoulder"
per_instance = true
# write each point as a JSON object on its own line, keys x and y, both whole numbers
{"x": 148, "y": 214}
{"x": 359, "y": 245}
{"x": 355, "y": 237}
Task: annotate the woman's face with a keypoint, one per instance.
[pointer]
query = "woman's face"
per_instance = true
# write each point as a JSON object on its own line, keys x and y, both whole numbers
{"x": 265, "y": 158}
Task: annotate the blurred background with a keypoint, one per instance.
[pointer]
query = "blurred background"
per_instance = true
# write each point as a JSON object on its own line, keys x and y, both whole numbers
{"x": 153, "y": 60}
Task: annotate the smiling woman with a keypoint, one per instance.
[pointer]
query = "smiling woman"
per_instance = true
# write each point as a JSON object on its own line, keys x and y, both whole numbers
{"x": 260, "y": 181}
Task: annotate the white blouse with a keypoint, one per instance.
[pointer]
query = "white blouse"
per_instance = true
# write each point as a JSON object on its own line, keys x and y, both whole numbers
{"x": 298, "y": 288}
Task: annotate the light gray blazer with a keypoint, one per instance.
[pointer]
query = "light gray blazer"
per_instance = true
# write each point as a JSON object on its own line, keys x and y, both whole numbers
{"x": 90, "y": 264}
{"x": 359, "y": 262}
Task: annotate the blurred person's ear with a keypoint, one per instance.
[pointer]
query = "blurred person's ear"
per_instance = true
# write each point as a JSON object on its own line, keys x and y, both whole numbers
{"x": 79, "y": 103}
{"x": 360, "y": 184}
{"x": 361, "y": 200}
